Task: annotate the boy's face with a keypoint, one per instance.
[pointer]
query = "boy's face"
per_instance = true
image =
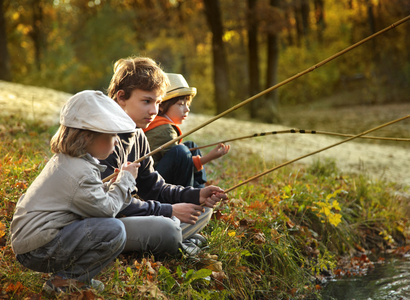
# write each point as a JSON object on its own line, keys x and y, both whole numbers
{"x": 102, "y": 145}
{"x": 179, "y": 111}
{"x": 142, "y": 106}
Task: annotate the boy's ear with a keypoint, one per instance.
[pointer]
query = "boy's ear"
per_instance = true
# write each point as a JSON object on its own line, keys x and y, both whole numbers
{"x": 121, "y": 97}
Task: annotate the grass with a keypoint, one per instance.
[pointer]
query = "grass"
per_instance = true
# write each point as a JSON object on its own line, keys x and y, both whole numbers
{"x": 276, "y": 238}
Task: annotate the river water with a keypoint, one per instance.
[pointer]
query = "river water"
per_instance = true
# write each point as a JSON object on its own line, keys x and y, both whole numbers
{"x": 389, "y": 280}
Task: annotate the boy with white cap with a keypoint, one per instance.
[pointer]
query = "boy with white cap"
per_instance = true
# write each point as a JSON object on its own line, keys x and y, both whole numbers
{"x": 65, "y": 223}
{"x": 176, "y": 163}
{"x": 138, "y": 86}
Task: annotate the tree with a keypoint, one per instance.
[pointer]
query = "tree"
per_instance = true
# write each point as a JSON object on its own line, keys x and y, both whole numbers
{"x": 253, "y": 55}
{"x": 5, "y": 73}
{"x": 220, "y": 63}
{"x": 271, "y": 113}
{"x": 320, "y": 18}
{"x": 37, "y": 32}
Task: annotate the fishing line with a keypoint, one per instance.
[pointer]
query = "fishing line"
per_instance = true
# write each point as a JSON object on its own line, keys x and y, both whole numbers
{"x": 315, "y": 152}
{"x": 303, "y": 131}
{"x": 266, "y": 91}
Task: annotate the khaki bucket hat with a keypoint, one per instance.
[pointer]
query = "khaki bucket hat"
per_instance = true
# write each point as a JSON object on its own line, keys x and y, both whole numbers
{"x": 92, "y": 110}
{"x": 178, "y": 87}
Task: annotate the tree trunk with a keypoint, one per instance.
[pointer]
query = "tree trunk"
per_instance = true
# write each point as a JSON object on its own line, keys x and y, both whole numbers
{"x": 220, "y": 64}
{"x": 305, "y": 10}
{"x": 5, "y": 69}
{"x": 320, "y": 18}
{"x": 37, "y": 33}
{"x": 301, "y": 11}
{"x": 271, "y": 111}
{"x": 253, "y": 57}
{"x": 372, "y": 25}
{"x": 298, "y": 24}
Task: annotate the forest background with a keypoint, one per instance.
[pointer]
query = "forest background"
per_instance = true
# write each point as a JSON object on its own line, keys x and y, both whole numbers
{"x": 228, "y": 49}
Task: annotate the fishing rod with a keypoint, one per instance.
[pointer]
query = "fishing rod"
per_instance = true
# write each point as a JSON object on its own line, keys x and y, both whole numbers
{"x": 315, "y": 152}
{"x": 266, "y": 91}
{"x": 303, "y": 131}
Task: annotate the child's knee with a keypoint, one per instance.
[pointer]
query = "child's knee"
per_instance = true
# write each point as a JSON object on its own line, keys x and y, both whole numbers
{"x": 113, "y": 232}
{"x": 171, "y": 237}
{"x": 181, "y": 150}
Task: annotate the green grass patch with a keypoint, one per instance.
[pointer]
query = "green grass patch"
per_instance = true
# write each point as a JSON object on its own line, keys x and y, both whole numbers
{"x": 276, "y": 238}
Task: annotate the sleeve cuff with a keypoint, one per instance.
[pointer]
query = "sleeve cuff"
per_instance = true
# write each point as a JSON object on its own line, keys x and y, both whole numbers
{"x": 197, "y": 162}
{"x": 166, "y": 210}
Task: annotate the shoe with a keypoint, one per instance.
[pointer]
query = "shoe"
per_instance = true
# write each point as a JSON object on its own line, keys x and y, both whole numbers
{"x": 97, "y": 285}
{"x": 190, "y": 248}
{"x": 194, "y": 244}
{"x": 58, "y": 285}
{"x": 198, "y": 240}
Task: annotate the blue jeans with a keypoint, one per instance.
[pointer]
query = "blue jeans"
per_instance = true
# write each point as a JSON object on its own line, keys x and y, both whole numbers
{"x": 80, "y": 250}
{"x": 177, "y": 167}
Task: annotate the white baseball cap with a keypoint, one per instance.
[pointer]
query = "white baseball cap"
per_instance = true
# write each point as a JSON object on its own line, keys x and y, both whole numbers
{"x": 92, "y": 110}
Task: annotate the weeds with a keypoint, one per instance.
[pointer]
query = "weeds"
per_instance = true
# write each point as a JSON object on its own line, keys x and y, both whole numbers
{"x": 277, "y": 237}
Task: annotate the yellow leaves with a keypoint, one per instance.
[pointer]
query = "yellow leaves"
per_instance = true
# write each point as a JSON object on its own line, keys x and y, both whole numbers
{"x": 230, "y": 35}
{"x": 386, "y": 236}
{"x": 335, "y": 219}
{"x": 329, "y": 210}
{"x": 15, "y": 16}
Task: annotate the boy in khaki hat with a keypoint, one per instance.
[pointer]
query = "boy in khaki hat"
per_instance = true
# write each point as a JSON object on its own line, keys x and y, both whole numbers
{"x": 176, "y": 163}
{"x": 65, "y": 223}
{"x": 138, "y": 86}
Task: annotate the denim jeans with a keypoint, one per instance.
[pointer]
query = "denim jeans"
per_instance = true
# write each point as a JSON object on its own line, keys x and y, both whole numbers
{"x": 80, "y": 250}
{"x": 177, "y": 167}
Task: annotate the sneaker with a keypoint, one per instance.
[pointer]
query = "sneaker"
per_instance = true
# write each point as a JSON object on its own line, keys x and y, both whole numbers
{"x": 198, "y": 240}
{"x": 58, "y": 285}
{"x": 194, "y": 244}
{"x": 97, "y": 285}
{"x": 190, "y": 248}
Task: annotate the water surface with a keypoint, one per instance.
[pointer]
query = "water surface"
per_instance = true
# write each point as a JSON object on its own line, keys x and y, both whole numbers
{"x": 389, "y": 280}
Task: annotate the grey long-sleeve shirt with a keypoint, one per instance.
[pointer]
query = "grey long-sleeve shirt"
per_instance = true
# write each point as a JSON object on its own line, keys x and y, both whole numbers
{"x": 67, "y": 189}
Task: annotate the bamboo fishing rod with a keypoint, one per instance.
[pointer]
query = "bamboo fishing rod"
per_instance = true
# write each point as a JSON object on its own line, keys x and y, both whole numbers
{"x": 315, "y": 152}
{"x": 267, "y": 91}
{"x": 303, "y": 131}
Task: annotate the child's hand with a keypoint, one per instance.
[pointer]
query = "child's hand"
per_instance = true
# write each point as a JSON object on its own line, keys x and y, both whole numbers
{"x": 131, "y": 167}
{"x": 210, "y": 195}
{"x": 116, "y": 171}
{"x": 219, "y": 151}
{"x": 187, "y": 212}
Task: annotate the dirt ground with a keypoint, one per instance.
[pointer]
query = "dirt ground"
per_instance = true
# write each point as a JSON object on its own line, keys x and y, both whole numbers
{"x": 389, "y": 161}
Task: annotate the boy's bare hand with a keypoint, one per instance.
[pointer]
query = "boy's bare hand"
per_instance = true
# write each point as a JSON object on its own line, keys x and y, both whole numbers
{"x": 187, "y": 212}
{"x": 209, "y": 196}
{"x": 131, "y": 167}
{"x": 220, "y": 150}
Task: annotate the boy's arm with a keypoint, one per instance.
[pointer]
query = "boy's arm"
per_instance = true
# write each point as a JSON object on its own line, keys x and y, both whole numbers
{"x": 151, "y": 185}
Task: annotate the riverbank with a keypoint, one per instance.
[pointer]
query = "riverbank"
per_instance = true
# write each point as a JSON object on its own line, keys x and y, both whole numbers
{"x": 276, "y": 238}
